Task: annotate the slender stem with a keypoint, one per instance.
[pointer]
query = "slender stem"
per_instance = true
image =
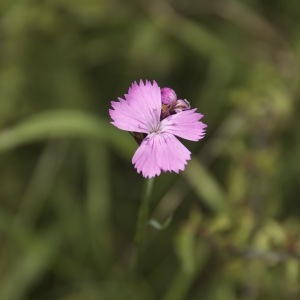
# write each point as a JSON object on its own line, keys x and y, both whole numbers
{"x": 143, "y": 216}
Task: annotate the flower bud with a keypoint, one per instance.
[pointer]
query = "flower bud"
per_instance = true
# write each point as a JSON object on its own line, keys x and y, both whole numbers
{"x": 181, "y": 105}
{"x": 168, "y": 96}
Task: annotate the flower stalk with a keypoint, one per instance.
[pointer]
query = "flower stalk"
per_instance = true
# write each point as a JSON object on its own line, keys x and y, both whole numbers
{"x": 142, "y": 221}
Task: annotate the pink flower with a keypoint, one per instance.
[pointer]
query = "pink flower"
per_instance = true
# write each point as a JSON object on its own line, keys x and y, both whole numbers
{"x": 140, "y": 113}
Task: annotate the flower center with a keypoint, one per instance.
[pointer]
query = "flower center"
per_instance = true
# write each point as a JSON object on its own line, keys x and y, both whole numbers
{"x": 155, "y": 128}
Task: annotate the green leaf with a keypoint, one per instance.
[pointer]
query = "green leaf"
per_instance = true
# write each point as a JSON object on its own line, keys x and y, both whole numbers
{"x": 205, "y": 186}
{"x": 65, "y": 124}
{"x": 154, "y": 223}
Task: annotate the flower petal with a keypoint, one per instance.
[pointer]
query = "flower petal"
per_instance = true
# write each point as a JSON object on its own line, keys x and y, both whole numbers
{"x": 141, "y": 109}
{"x": 160, "y": 152}
{"x": 185, "y": 124}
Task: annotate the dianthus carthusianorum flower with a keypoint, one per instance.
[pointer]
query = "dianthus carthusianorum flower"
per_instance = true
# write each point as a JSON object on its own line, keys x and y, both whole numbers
{"x": 154, "y": 117}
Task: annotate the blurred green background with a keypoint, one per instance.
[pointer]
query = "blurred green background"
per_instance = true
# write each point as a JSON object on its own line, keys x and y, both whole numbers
{"x": 69, "y": 194}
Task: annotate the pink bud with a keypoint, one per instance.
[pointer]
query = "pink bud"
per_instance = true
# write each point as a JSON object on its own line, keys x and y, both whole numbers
{"x": 168, "y": 96}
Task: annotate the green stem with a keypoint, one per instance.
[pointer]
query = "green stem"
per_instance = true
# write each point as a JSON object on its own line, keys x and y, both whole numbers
{"x": 143, "y": 216}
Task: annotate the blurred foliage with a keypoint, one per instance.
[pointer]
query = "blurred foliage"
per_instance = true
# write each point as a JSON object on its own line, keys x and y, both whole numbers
{"x": 226, "y": 228}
